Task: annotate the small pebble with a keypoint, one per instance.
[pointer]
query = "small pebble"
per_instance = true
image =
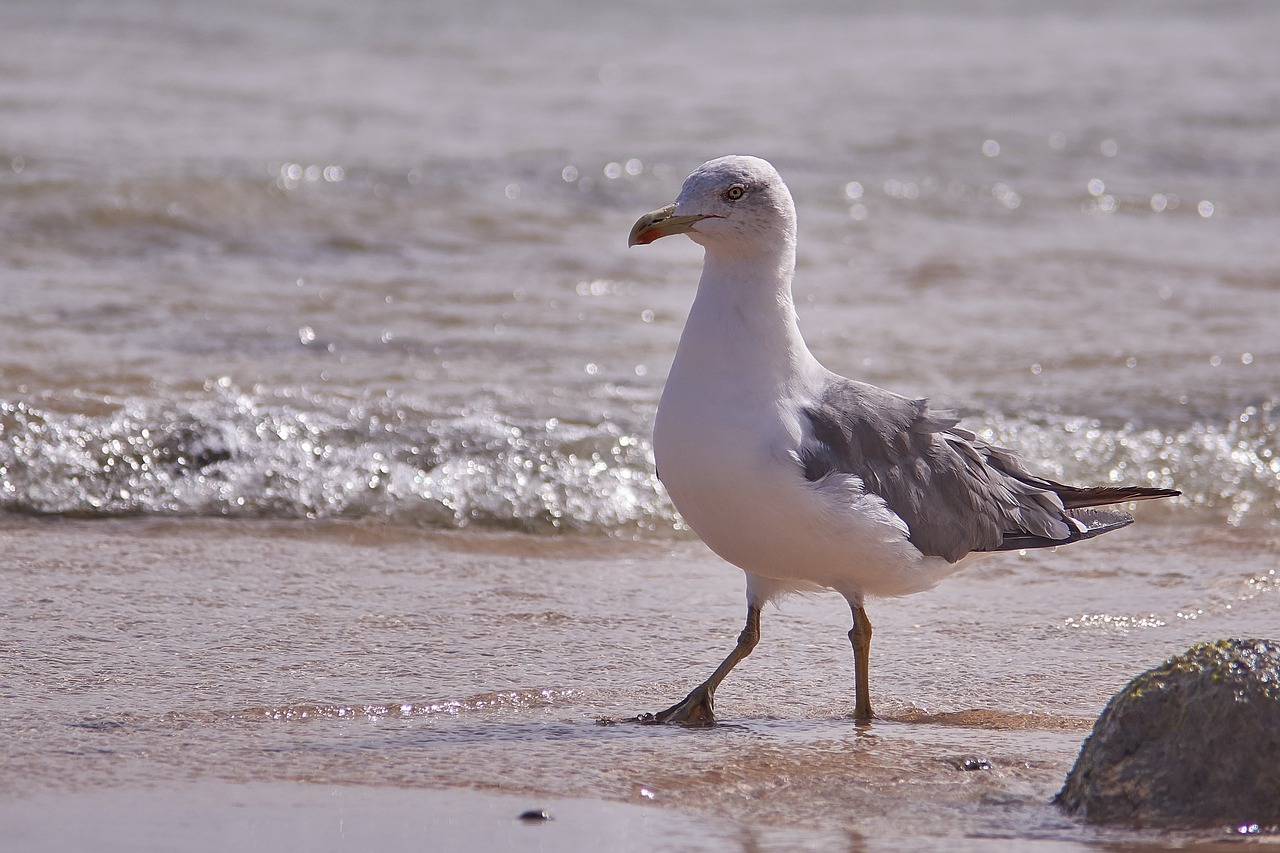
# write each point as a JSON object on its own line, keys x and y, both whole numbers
{"x": 534, "y": 815}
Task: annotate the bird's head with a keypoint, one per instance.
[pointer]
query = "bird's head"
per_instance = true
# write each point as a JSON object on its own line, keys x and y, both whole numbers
{"x": 735, "y": 203}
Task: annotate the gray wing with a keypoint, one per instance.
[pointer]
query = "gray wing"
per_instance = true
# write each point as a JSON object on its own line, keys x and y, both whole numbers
{"x": 955, "y": 493}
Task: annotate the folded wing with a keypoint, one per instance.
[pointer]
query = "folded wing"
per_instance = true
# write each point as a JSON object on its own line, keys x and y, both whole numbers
{"x": 956, "y": 493}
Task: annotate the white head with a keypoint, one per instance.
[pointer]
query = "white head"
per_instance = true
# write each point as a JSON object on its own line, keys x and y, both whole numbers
{"x": 732, "y": 204}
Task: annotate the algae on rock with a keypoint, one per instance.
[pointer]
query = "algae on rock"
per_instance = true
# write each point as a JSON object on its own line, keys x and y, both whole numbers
{"x": 1194, "y": 742}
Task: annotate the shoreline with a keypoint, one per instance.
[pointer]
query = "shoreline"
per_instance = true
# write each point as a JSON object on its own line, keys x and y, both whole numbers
{"x": 159, "y": 663}
{"x": 215, "y": 815}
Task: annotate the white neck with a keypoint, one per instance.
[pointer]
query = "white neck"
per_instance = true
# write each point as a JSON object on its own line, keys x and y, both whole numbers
{"x": 743, "y": 322}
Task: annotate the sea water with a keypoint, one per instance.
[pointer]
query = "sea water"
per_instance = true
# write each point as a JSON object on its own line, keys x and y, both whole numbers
{"x": 327, "y": 381}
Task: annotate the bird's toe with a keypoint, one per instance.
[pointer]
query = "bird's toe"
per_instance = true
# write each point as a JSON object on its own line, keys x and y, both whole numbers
{"x": 694, "y": 710}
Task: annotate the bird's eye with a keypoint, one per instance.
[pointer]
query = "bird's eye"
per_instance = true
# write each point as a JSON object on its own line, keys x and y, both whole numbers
{"x": 735, "y": 192}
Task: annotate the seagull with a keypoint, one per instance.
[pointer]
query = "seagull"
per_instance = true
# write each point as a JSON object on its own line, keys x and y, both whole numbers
{"x": 806, "y": 480}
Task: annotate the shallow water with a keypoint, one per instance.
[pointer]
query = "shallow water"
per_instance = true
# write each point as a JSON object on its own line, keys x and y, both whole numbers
{"x": 326, "y": 384}
{"x": 158, "y": 652}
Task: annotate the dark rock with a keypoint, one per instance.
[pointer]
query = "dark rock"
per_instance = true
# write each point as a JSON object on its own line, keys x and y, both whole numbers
{"x": 1192, "y": 743}
{"x": 534, "y": 816}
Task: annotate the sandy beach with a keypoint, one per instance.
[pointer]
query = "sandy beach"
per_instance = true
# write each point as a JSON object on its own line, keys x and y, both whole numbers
{"x": 258, "y": 816}
{"x": 168, "y": 678}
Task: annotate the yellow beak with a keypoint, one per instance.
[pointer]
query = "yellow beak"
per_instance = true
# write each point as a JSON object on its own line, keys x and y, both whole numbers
{"x": 661, "y": 223}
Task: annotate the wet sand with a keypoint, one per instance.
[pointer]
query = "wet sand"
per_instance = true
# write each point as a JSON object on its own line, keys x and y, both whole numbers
{"x": 274, "y": 816}
{"x": 166, "y": 677}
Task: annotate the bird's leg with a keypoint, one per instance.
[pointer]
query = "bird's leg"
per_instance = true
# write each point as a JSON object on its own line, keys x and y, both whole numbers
{"x": 696, "y": 709}
{"x": 860, "y": 638}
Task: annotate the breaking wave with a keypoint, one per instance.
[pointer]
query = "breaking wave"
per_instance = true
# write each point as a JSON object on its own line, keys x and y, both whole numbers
{"x": 298, "y": 455}
{"x": 230, "y": 452}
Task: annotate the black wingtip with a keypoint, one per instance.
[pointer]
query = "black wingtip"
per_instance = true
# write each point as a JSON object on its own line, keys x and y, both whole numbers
{"x": 1077, "y": 497}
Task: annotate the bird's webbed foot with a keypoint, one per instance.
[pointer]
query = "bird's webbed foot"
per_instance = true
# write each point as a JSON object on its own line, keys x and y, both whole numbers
{"x": 694, "y": 710}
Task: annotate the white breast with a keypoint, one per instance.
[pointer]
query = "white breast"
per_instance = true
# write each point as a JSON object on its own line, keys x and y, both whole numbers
{"x": 732, "y": 469}
{"x": 727, "y": 439}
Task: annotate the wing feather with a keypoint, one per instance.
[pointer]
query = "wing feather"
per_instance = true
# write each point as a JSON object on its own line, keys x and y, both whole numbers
{"x": 956, "y": 493}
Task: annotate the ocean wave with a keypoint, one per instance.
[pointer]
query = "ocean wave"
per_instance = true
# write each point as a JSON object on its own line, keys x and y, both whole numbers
{"x": 1229, "y": 468}
{"x": 300, "y": 455}
{"x": 257, "y": 453}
